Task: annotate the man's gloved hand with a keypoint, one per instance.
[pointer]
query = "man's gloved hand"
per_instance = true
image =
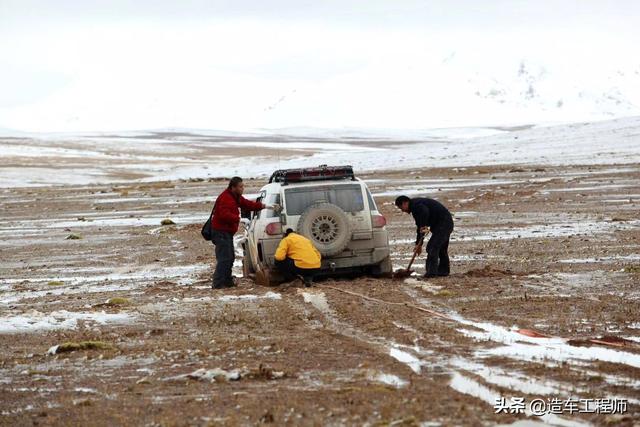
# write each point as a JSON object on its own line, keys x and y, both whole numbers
{"x": 276, "y": 207}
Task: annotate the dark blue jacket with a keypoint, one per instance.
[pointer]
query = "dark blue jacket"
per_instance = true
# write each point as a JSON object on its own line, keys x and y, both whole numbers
{"x": 430, "y": 213}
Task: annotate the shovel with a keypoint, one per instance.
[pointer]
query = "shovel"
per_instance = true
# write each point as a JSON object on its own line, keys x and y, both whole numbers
{"x": 263, "y": 277}
{"x": 402, "y": 273}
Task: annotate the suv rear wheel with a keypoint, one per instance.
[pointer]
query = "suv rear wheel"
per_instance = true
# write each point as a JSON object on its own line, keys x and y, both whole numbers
{"x": 383, "y": 267}
{"x": 247, "y": 269}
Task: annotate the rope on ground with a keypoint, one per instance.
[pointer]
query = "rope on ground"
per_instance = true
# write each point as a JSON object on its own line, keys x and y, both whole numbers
{"x": 380, "y": 301}
{"x": 608, "y": 341}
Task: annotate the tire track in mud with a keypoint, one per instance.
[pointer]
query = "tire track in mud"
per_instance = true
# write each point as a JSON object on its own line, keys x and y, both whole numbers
{"x": 403, "y": 353}
{"x": 546, "y": 348}
{"x": 468, "y": 376}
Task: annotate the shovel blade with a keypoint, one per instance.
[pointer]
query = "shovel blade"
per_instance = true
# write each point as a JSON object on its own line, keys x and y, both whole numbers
{"x": 402, "y": 273}
{"x": 263, "y": 277}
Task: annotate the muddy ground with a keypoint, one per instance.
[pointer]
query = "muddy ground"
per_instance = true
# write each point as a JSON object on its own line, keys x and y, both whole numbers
{"x": 555, "y": 250}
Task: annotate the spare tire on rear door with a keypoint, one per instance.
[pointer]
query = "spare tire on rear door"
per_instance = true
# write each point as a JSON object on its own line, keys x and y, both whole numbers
{"x": 327, "y": 226}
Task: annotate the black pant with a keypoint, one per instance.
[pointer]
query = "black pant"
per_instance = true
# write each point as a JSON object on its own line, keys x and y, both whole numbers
{"x": 289, "y": 270}
{"x": 225, "y": 256}
{"x": 438, "y": 249}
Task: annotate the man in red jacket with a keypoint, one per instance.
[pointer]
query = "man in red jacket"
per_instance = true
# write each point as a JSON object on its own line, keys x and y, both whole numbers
{"x": 224, "y": 224}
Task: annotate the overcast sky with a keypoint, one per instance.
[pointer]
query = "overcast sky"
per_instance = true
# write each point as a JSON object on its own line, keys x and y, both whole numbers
{"x": 117, "y": 65}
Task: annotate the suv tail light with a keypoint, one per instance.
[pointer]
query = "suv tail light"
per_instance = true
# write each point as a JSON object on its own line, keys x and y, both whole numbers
{"x": 273, "y": 228}
{"x": 378, "y": 221}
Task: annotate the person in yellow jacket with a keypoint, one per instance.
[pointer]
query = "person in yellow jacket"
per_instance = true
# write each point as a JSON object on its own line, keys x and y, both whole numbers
{"x": 297, "y": 257}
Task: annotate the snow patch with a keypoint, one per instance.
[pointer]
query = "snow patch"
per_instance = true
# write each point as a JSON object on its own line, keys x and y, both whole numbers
{"x": 389, "y": 379}
{"x": 528, "y": 348}
{"x": 316, "y": 298}
{"x": 35, "y": 321}
{"x": 471, "y": 387}
{"x": 408, "y": 359}
{"x": 250, "y": 297}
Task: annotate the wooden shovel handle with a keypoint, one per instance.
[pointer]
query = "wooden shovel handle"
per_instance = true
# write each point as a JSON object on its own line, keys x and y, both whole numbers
{"x": 411, "y": 262}
{"x": 413, "y": 258}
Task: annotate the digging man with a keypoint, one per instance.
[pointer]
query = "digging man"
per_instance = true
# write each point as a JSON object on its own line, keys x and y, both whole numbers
{"x": 224, "y": 224}
{"x": 430, "y": 215}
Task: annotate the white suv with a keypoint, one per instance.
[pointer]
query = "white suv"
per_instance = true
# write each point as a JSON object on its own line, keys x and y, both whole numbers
{"x": 328, "y": 205}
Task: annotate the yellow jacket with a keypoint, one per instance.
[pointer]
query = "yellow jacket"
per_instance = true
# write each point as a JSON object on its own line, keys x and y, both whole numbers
{"x": 300, "y": 250}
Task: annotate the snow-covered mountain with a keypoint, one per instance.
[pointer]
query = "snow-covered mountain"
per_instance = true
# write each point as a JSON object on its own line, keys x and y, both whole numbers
{"x": 561, "y": 93}
{"x": 453, "y": 90}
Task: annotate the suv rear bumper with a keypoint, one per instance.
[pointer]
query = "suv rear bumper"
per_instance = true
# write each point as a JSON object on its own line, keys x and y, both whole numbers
{"x": 357, "y": 259}
{"x": 359, "y": 253}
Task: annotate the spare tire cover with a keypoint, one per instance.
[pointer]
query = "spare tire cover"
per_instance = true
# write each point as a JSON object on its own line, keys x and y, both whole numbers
{"x": 327, "y": 226}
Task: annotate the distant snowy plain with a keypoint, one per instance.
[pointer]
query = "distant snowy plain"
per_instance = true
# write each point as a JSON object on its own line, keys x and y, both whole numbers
{"x": 188, "y": 154}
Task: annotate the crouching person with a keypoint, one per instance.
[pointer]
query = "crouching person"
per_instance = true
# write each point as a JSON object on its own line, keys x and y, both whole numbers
{"x": 297, "y": 257}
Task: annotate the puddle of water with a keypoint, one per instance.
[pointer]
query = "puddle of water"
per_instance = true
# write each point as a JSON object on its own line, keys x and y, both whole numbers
{"x": 582, "y": 281}
{"x": 530, "y": 348}
{"x": 562, "y": 352}
{"x": 510, "y": 380}
{"x": 465, "y": 385}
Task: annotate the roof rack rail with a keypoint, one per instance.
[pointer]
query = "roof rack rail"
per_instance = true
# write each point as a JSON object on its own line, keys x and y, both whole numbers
{"x": 320, "y": 173}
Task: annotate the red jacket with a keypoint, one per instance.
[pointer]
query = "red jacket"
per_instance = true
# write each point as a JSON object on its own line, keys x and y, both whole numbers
{"x": 226, "y": 215}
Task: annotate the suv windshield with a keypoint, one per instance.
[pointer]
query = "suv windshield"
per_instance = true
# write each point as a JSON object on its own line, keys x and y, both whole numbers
{"x": 348, "y": 197}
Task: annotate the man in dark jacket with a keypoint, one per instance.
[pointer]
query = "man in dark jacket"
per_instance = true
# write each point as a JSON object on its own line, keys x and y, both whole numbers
{"x": 224, "y": 224}
{"x": 430, "y": 215}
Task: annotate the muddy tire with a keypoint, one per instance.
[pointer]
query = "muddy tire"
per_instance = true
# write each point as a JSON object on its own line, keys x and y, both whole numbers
{"x": 327, "y": 226}
{"x": 267, "y": 277}
{"x": 247, "y": 269}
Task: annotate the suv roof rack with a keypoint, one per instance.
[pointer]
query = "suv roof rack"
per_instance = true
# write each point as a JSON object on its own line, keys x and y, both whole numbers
{"x": 321, "y": 173}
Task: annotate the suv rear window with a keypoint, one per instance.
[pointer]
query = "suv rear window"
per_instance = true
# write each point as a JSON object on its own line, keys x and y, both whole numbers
{"x": 372, "y": 203}
{"x": 348, "y": 197}
{"x": 273, "y": 199}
